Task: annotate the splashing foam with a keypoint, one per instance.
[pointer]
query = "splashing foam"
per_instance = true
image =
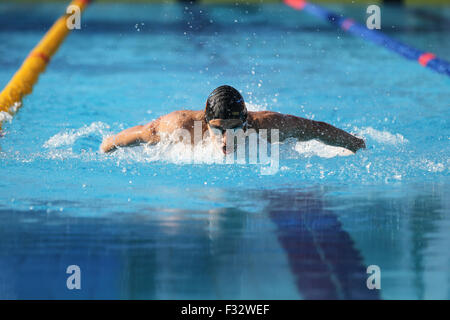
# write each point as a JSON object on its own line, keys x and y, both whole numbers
{"x": 204, "y": 153}
{"x": 383, "y": 136}
{"x": 60, "y": 147}
{"x": 317, "y": 148}
{"x": 5, "y": 116}
{"x": 255, "y": 107}
{"x": 68, "y": 137}
{"x": 376, "y": 165}
{"x": 176, "y": 153}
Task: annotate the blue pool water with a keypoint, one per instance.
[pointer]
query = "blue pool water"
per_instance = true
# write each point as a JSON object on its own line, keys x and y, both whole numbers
{"x": 144, "y": 223}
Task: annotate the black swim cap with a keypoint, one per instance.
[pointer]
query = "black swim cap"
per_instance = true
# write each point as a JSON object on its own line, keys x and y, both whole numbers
{"x": 225, "y": 102}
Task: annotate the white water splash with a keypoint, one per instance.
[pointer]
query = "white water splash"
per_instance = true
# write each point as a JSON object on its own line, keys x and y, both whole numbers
{"x": 5, "y": 116}
{"x": 382, "y": 136}
{"x": 68, "y": 137}
{"x": 317, "y": 148}
{"x": 171, "y": 152}
{"x": 255, "y": 107}
{"x": 174, "y": 152}
{"x": 82, "y": 144}
{"x": 206, "y": 152}
{"x": 181, "y": 153}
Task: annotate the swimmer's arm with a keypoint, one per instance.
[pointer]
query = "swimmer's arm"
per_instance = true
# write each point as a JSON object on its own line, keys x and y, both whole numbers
{"x": 131, "y": 136}
{"x": 333, "y": 136}
{"x": 305, "y": 129}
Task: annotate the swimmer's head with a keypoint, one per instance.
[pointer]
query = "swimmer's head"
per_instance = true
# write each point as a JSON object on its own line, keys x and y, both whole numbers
{"x": 225, "y": 110}
{"x": 225, "y": 102}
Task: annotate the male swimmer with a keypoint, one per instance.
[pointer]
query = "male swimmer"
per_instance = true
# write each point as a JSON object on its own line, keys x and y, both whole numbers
{"x": 226, "y": 110}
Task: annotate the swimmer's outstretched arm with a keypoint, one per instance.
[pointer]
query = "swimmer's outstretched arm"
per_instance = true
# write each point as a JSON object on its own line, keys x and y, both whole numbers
{"x": 131, "y": 136}
{"x": 331, "y": 135}
{"x": 304, "y": 129}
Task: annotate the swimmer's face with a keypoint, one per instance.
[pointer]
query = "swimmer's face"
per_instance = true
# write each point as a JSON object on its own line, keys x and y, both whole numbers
{"x": 218, "y": 132}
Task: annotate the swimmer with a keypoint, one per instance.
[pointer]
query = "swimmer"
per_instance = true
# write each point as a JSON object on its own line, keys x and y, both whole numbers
{"x": 225, "y": 109}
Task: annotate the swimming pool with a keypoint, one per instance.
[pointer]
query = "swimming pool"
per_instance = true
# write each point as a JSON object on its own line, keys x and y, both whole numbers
{"x": 144, "y": 223}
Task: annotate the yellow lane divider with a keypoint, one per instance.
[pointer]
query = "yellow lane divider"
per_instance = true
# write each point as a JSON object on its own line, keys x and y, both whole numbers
{"x": 23, "y": 80}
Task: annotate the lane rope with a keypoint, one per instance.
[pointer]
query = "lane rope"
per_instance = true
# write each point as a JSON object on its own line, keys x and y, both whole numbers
{"x": 27, "y": 75}
{"x": 425, "y": 59}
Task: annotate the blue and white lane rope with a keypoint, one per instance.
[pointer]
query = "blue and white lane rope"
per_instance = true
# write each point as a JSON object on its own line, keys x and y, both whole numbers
{"x": 426, "y": 59}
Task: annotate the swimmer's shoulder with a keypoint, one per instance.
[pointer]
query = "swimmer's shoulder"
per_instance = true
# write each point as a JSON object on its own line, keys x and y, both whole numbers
{"x": 180, "y": 116}
{"x": 180, "y": 119}
{"x": 261, "y": 119}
